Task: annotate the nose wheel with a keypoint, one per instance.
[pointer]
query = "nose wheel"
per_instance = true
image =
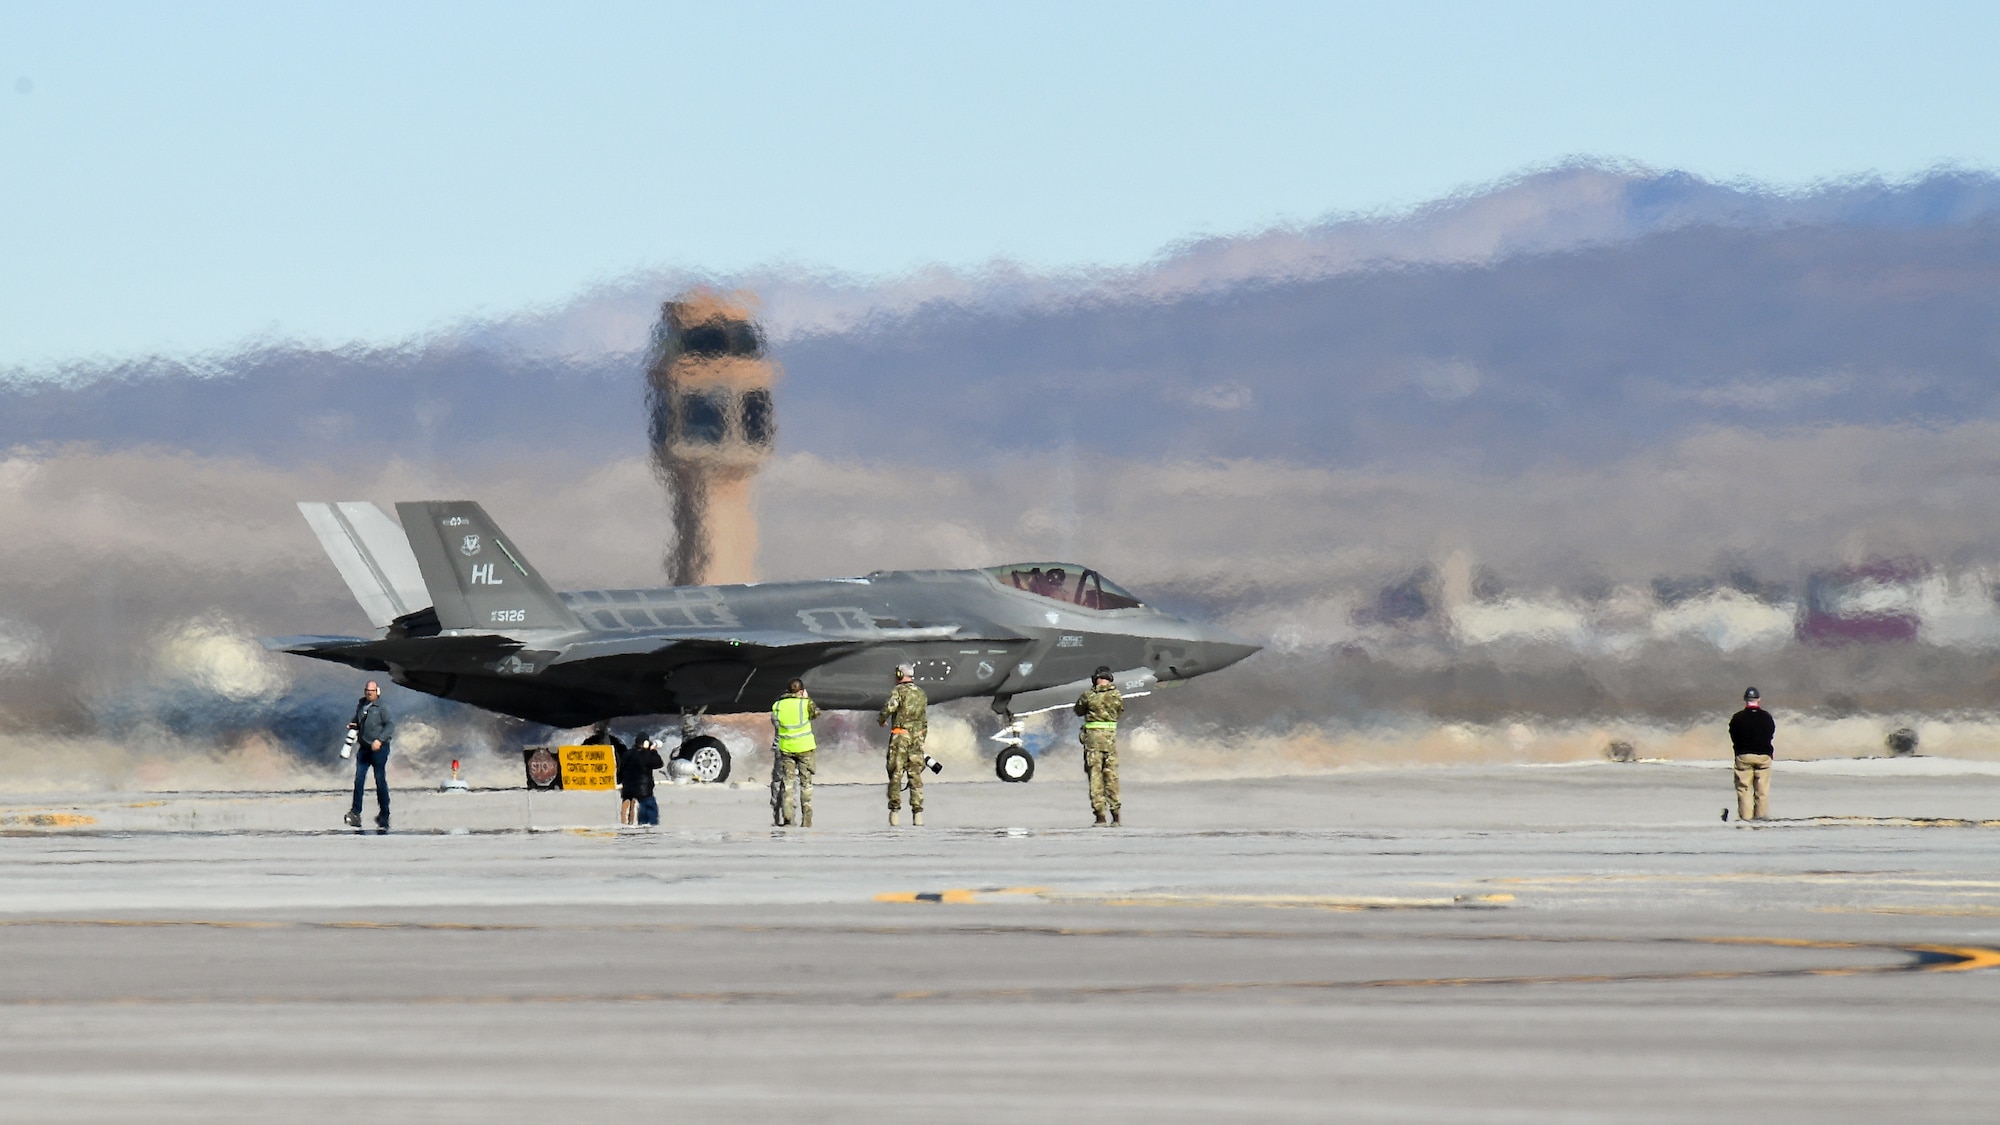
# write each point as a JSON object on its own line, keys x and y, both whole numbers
{"x": 1014, "y": 764}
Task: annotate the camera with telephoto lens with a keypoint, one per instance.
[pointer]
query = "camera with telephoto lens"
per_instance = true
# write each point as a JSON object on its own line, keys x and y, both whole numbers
{"x": 934, "y": 765}
{"x": 348, "y": 744}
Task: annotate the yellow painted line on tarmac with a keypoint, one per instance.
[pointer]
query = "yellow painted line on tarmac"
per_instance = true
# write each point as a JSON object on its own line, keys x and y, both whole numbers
{"x": 49, "y": 820}
{"x": 957, "y": 896}
{"x": 1969, "y": 957}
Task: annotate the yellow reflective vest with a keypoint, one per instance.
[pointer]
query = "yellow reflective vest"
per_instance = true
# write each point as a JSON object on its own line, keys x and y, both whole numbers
{"x": 793, "y": 716}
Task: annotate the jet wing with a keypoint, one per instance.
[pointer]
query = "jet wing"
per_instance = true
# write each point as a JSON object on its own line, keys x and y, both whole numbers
{"x": 684, "y": 644}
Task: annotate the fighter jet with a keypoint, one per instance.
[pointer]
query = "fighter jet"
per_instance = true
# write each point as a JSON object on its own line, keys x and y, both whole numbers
{"x": 461, "y": 614}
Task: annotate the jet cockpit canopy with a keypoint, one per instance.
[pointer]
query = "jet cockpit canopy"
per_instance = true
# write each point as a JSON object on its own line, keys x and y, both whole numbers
{"x": 1066, "y": 582}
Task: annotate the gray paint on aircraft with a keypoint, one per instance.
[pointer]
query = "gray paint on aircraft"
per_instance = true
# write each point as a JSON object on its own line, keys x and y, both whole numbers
{"x": 496, "y": 636}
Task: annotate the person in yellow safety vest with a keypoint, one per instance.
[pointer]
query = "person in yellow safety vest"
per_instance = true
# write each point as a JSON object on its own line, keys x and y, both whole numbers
{"x": 908, "y": 723}
{"x": 1101, "y": 707}
{"x": 792, "y": 716}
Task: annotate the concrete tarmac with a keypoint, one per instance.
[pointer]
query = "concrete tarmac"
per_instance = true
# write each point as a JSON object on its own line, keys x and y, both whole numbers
{"x": 1501, "y": 944}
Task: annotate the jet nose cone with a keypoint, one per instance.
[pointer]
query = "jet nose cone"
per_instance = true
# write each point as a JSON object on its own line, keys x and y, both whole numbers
{"x": 1219, "y": 648}
{"x": 1221, "y": 654}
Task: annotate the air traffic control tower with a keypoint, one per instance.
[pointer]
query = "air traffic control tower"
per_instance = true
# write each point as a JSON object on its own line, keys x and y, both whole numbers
{"x": 709, "y": 391}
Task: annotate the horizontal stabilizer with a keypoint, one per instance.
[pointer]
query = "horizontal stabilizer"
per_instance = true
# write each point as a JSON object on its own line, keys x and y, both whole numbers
{"x": 310, "y": 643}
{"x": 350, "y": 651}
{"x": 372, "y": 556}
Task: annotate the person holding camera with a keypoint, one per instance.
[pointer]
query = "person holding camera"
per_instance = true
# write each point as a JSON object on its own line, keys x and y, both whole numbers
{"x": 906, "y": 716}
{"x": 373, "y": 728}
{"x": 635, "y": 781}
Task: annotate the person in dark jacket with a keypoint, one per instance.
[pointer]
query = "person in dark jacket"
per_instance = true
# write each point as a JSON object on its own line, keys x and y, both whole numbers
{"x": 1750, "y": 733}
{"x": 374, "y": 729}
{"x": 635, "y": 779}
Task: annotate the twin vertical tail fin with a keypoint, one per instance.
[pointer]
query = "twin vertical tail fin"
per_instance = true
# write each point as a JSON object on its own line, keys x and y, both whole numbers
{"x": 372, "y": 556}
{"x": 477, "y": 578}
{"x": 448, "y": 555}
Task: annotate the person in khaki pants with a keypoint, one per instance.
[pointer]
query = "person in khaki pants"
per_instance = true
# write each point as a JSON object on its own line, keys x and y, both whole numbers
{"x": 1750, "y": 734}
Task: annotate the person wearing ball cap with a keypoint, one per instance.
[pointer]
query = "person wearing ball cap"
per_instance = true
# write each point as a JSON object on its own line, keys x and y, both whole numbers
{"x": 1101, "y": 708}
{"x": 908, "y": 723}
{"x": 1750, "y": 733}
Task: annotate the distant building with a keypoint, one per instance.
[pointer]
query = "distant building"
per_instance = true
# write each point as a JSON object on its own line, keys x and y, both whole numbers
{"x": 713, "y": 423}
{"x": 1871, "y": 604}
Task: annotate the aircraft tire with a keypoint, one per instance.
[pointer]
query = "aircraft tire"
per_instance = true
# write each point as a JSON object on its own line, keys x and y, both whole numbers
{"x": 1014, "y": 764}
{"x": 708, "y": 756}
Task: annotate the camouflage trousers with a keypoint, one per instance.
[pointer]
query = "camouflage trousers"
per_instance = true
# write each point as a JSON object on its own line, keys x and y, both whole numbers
{"x": 1100, "y": 765}
{"x": 777, "y": 786}
{"x": 798, "y": 799}
{"x": 906, "y": 767}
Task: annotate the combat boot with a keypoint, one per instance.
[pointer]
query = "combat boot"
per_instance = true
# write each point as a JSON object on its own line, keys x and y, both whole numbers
{"x": 892, "y": 818}
{"x": 917, "y": 817}
{"x": 1100, "y": 821}
{"x": 1115, "y": 822}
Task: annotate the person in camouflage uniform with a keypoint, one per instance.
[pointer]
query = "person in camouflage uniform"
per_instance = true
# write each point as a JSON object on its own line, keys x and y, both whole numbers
{"x": 791, "y": 720}
{"x": 905, "y": 716}
{"x": 1101, "y": 707}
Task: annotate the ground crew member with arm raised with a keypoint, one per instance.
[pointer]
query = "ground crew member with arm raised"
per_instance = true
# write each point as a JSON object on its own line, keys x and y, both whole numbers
{"x": 908, "y": 723}
{"x": 1101, "y": 707}
{"x": 1750, "y": 734}
{"x": 792, "y": 716}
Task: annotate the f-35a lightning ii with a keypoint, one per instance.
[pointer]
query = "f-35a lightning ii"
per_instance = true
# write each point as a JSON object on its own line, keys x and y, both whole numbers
{"x": 461, "y": 614}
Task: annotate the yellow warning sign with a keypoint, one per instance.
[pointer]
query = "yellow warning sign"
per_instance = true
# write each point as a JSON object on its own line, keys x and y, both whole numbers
{"x": 588, "y": 767}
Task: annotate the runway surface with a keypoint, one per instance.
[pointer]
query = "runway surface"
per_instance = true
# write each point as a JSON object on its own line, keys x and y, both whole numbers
{"x": 1482, "y": 944}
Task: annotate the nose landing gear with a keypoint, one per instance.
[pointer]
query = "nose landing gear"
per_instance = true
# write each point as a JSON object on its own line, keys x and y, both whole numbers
{"x": 1013, "y": 763}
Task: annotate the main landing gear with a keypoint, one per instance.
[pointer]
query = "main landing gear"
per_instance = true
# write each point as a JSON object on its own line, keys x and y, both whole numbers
{"x": 701, "y": 757}
{"x": 706, "y": 757}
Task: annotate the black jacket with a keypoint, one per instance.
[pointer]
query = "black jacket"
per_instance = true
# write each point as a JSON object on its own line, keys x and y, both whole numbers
{"x": 1750, "y": 731}
{"x": 635, "y": 771}
{"x": 372, "y": 722}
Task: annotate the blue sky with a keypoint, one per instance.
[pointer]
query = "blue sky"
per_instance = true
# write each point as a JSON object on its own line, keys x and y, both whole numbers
{"x": 186, "y": 177}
